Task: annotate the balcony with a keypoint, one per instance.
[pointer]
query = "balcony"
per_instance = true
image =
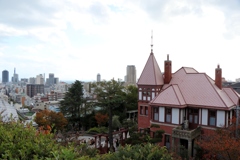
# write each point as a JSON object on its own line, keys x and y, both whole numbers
{"x": 178, "y": 132}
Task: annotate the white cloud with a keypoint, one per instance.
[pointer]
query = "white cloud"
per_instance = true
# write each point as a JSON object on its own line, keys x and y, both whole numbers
{"x": 78, "y": 39}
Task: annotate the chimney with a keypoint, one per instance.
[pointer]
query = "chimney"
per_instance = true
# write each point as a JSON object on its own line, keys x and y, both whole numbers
{"x": 218, "y": 77}
{"x": 167, "y": 70}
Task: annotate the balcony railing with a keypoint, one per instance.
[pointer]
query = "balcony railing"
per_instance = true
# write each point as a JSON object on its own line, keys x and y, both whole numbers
{"x": 178, "y": 132}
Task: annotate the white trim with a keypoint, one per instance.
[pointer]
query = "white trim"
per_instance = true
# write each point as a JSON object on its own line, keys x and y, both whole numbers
{"x": 204, "y": 117}
{"x": 164, "y": 124}
{"x": 220, "y": 118}
{"x": 161, "y": 114}
{"x": 140, "y": 96}
{"x": 175, "y": 115}
{"x": 153, "y": 95}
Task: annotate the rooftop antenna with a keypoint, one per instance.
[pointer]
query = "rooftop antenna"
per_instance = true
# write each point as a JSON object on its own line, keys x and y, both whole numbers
{"x": 152, "y": 42}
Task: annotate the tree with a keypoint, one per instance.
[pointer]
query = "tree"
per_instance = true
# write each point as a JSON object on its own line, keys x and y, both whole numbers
{"x": 71, "y": 105}
{"x": 142, "y": 152}
{"x": 116, "y": 123}
{"x": 101, "y": 118}
{"x": 18, "y": 141}
{"x": 110, "y": 97}
{"x": 131, "y": 97}
{"x": 47, "y": 118}
{"x": 221, "y": 144}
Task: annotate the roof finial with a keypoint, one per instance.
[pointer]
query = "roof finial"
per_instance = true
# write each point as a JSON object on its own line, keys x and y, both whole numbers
{"x": 152, "y": 42}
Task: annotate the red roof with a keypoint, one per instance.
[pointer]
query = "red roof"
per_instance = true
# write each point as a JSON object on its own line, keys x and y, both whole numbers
{"x": 151, "y": 74}
{"x": 191, "y": 88}
{"x": 172, "y": 91}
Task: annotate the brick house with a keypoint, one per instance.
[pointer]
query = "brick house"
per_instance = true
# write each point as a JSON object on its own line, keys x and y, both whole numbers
{"x": 185, "y": 104}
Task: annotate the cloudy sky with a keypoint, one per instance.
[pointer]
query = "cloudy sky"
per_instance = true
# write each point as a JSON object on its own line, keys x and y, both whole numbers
{"x": 77, "y": 39}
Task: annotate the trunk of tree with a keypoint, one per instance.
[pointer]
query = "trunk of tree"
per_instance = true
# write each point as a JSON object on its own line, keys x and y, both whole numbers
{"x": 110, "y": 129}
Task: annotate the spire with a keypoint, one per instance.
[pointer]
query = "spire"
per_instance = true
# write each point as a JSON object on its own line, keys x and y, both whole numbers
{"x": 152, "y": 42}
{"x": 14, "y": 71}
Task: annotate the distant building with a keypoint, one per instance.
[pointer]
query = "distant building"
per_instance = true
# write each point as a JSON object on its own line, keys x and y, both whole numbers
{"x": 131, "y": 75}
{"x": 98, "y": 77}
{"x": 39, "y": 79}
{"x": 15, "y": 77}
{"x": 34, "y": 89}
{"x": 24, "y": 80}
{"x": 51, "y": 79}
{"x": 56, "y": 80}
{"x": 5, "y": 76}
{"x": 32, "y": 80}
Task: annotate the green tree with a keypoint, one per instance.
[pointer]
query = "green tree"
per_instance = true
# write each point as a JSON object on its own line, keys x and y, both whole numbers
{"x": 131, "y": 101}
{"x": 110, "y": 97}
{"x": 23, "y": 142}
{"x": 141, "y": 152}
{"x": 72, "y": 104}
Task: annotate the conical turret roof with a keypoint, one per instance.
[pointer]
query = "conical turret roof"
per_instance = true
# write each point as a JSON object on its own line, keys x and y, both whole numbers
{"x": 151, "y": 74}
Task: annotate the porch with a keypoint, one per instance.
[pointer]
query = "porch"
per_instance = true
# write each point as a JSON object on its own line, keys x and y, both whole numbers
{"x": 185, "y": 138}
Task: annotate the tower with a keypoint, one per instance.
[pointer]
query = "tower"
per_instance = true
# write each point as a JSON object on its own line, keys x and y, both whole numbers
{"x": 5, "y": 76}
{"x": 149, "y": 85}
{"x": 15, "y": 77}
{"x": 98, "y": 77}
{"x": 131, "y": 75}
{"x": 51, "y": 79}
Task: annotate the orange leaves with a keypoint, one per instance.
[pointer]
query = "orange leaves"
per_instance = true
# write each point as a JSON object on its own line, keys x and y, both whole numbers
{"x": 48, "y": 118}
{"x": 101, "y": 118}
{"x": 222, "y": 143}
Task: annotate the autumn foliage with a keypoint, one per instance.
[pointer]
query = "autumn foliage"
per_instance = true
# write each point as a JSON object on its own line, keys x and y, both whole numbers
{"x": 222, "y": 144}
{"x": 101, "y": 118}
{"x": 47, "y": 118}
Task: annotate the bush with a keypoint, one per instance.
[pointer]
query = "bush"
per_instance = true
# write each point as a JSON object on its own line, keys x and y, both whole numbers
{"x": 19, "y": 142}
{"x": 98, "y": 130}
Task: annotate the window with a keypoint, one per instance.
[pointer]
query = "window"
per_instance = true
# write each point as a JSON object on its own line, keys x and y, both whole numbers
{"x": 141, "y": 110}
{"x": 155, "y": 114}
{"x": 146, "y": 110}
{"x": 168, "y": 115}
{"x": 167, "y": 141}
{"x": 144, "y": 91}
{"x": 148, "y": 91}
{"x": 193, "y": 116}
{"x": 212, "y": 118}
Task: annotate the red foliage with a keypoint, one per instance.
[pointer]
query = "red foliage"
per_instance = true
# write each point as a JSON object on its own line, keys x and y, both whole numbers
{"x": 101, "y": 118}
{"x": 222, "y": 144}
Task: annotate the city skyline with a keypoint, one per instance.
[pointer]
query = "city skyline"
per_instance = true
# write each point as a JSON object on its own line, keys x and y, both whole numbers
{"x": 78, "y": 39}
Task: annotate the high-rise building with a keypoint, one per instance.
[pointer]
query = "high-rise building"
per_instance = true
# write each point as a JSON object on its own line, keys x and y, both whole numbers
{"x": 39, "y": 79}
{"x": 51, "y": 79}
{"x": 5, "y": 76}
{"x": 34, "y": 89}
{"x": 32, "y": 80}
{"x": 56, "y": 80}
{"x": 98, "y": 77}
{"x": 15, "y": 77}
{"x": 24, "y": 80}
{"x": 131, "y": 75}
